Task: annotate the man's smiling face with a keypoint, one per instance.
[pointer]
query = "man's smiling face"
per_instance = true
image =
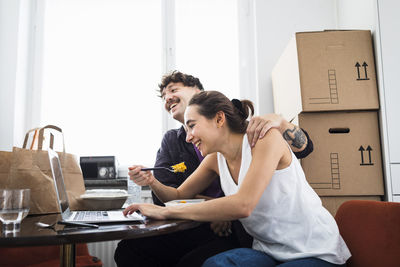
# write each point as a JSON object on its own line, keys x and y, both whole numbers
{"x": 176, "y": 98}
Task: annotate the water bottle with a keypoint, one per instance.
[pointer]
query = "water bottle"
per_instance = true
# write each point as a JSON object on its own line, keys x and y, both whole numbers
{"x": 134, "y": 191}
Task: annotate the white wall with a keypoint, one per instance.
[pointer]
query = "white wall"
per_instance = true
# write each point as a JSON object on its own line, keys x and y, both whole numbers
{"x": 357, "y": 14}
{"x": 389, "y": 57}
{"x": 276, "y": 22}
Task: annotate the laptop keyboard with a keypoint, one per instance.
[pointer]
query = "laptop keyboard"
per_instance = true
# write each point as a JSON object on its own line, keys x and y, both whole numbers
{"x": 91, "y": 216}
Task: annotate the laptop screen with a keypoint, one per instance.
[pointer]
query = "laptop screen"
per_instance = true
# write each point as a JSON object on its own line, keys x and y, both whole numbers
{"x": 58, "y": 180}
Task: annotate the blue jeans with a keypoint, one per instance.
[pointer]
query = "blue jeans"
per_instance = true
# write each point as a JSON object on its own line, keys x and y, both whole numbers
{"x": 253, "y": 258}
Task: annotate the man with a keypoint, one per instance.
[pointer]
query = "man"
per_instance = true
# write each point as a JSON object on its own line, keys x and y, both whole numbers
{"x": 176, "y": 90}
{"x": 192, "y": 247}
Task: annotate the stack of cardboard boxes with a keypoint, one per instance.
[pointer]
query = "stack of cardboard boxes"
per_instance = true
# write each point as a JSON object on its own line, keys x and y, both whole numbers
{"x": 326, "y": 83}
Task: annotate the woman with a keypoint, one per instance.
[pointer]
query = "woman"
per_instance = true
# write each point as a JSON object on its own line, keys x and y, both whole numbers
{"x": 265, "y": 188}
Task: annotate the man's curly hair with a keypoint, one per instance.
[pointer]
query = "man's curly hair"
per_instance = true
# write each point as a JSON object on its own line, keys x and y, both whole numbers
{"x": 179, "y": 77}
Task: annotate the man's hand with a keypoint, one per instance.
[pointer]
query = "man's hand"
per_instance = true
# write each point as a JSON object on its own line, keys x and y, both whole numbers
{"x": 221, "y": 228}
{"x": 260, "y": 125}
{"x": 140, "y": 177}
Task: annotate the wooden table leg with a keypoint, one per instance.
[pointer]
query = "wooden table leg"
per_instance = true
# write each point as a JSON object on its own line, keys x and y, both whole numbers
{"x": 67, "y": 255}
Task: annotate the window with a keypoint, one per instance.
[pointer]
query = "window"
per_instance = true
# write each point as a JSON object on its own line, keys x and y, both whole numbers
{"x": 101, "y": 66}
{"x": 207, "y": 43}
{"x": 102, "y": 61}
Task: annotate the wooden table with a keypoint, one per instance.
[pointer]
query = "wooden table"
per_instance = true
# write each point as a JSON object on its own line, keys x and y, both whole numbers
{"x": 32, "y": 235}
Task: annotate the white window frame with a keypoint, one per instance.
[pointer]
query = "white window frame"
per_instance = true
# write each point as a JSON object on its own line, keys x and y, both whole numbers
{"x": 248, "y": 79}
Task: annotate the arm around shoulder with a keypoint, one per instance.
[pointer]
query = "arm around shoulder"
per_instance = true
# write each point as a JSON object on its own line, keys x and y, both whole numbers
{"x": 296, "y": 137}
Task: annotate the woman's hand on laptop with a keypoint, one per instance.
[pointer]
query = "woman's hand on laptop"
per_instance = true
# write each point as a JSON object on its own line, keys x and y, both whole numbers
{"x": 148, "y": 210}
{"x": 140, "y": 177}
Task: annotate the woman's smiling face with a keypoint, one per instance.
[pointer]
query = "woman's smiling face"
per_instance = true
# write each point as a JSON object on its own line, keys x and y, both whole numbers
{"x": 201, "y": 132}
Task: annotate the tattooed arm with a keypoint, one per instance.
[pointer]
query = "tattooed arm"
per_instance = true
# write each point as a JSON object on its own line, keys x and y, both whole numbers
{"x": 296, "y": 137}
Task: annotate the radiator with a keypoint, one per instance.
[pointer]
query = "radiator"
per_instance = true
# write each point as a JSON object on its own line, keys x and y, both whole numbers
{"x": 104, "y": 251}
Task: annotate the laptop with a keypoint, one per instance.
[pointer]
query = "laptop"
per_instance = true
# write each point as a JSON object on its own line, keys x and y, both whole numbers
{"x": 71, "y": 217}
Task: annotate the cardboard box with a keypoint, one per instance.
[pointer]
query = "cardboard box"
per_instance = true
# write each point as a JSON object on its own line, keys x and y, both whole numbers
{"x": 332, "y": 204}
{"x": 325, "y": 71}
{"x": 346, "y": 160}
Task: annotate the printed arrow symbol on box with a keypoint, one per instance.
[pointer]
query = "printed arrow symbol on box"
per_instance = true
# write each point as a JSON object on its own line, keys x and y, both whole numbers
{"x": 365, "y": 65}
{"x": 361, "y": 149}
{"x": 358, "y": 69}
{"x": 369, "y": 149}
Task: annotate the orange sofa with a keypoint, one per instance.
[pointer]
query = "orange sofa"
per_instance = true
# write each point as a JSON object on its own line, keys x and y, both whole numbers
{"x": 371, "y": 230}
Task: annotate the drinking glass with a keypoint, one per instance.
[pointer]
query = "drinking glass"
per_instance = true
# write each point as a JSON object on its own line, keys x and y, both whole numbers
{"x": 14, "y": 206}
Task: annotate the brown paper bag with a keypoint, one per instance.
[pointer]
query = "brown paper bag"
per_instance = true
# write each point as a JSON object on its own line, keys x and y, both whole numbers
{"x": 5, "y": 165}
{"x": 24, "y": 168}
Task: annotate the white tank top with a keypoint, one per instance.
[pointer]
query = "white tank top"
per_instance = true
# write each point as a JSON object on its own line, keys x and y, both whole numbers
{"x": 289, "y": 222}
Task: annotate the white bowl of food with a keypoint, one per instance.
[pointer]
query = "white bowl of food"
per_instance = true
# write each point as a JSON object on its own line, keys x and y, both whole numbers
{"x": 183, "y": 202}
{"x": 104, "y": 199}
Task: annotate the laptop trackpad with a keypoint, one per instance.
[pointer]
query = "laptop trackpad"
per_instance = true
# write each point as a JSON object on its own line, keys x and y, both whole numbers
{"x": 118, "y": 215}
